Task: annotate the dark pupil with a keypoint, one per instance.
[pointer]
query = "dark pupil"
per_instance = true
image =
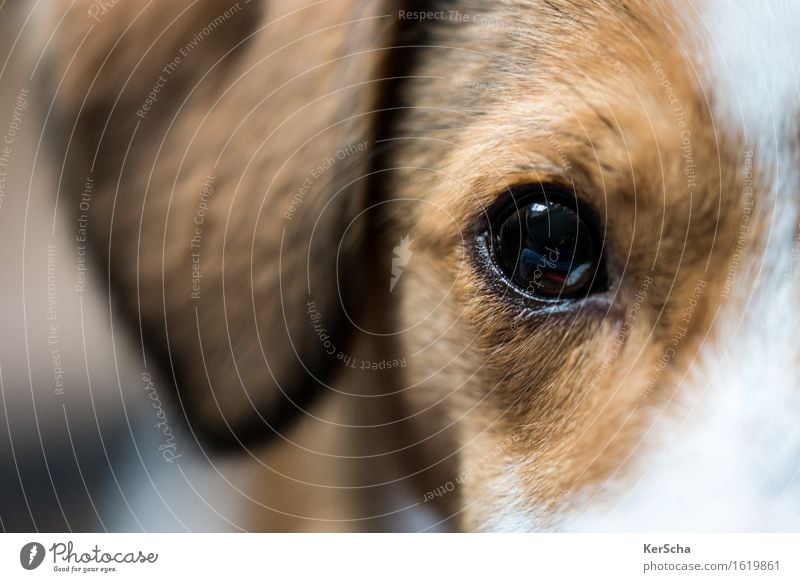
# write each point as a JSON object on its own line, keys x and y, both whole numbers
{"x": 546, "y": 249}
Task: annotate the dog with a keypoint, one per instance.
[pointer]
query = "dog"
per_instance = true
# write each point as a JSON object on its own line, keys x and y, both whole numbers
{"x": 524, "y": 265}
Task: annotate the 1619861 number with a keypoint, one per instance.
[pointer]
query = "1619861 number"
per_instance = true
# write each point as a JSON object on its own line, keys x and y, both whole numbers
{"x": 764, "y": 565}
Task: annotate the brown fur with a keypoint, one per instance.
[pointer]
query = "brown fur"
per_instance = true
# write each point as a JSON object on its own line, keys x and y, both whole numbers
{"x": 576, "y": 101}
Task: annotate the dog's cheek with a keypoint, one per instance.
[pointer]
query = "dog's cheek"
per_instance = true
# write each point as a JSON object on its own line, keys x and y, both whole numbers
{"x": 538, "y": 441}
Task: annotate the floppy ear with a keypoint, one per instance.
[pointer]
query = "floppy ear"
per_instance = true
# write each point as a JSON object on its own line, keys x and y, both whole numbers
{"x": 219, "y": 158}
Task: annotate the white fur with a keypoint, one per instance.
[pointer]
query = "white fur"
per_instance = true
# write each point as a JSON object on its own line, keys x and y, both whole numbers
{"x": 508, "y": 512}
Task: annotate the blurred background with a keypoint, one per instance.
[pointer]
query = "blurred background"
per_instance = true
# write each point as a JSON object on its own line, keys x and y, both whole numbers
{"x": 80, "y": 445}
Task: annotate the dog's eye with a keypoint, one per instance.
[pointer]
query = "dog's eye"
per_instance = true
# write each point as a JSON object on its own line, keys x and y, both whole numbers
{"x": 545, "y": 245}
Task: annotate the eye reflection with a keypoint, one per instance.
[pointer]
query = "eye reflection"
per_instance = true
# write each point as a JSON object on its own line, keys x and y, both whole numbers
{"x": 546, "y": 248}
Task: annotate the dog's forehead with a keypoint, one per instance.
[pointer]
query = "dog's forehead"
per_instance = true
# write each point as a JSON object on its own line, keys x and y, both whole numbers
{"x": 623, "y": 76}
{"x": 737, "y": 57}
